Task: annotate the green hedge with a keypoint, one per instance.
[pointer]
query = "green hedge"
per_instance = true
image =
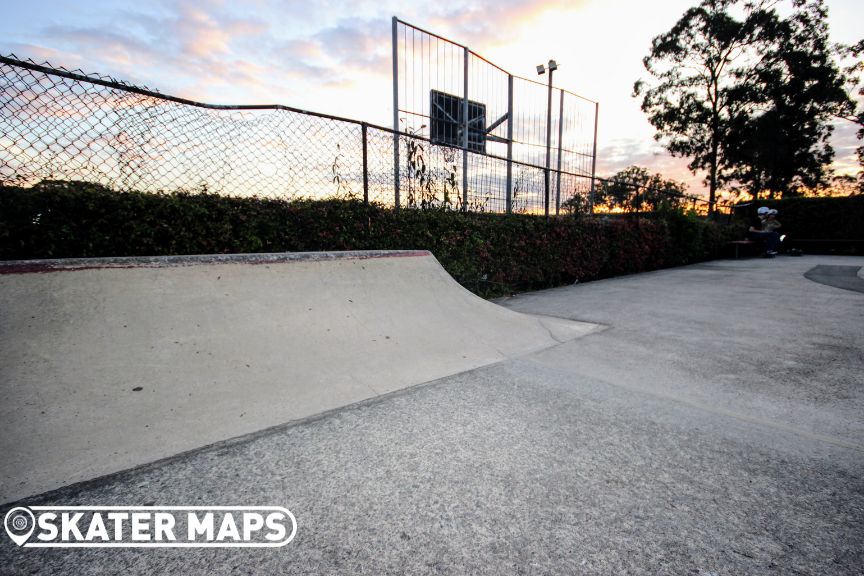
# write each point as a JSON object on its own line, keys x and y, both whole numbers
{"x": 489, "y": 253}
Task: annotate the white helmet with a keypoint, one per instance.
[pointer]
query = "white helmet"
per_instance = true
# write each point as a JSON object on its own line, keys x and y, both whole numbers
{"x": 763, "y": 211}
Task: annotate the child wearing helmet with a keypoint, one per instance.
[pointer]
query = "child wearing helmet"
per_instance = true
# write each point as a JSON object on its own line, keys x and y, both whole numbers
{"x": 765, "y": 230}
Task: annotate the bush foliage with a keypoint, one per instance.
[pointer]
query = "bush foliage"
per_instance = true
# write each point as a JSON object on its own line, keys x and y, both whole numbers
{"x": 820, "y": 218}
{"x": 491, "y": 254}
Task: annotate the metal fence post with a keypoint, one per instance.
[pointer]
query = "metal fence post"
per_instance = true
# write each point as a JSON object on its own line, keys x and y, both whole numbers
{"x": 594, "y": 160}
{"x": 547, "y": 176}
{"x": 395, "y": 115}
{"x": 509, "y": 200}
{"x": 365, "y": 132}
{"x": 465, "y": 135}
{"x": 560, "y": 137}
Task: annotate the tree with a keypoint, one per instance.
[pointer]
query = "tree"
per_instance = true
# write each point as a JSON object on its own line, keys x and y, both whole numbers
{"x": 854, "y": 81}
{"x": 635, "y": 189}
{"x": 738, "y": 93}
{"x": 698, "y": 94}
{"x": 784, "y": 148}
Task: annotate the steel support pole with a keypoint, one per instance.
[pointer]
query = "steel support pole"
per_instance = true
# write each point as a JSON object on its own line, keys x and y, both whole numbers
{"x": 509, "y": 143}
{"x": 548, "y": 146}
{"x": 594, "y": 161}
{"x": 560, "y": 137}
{"x": 465, "y": 135}
{"x": 365, "y": 132}
{"x": 395, "y": 114}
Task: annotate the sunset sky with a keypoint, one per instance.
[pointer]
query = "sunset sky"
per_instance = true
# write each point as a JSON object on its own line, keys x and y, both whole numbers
{"x": 335, "y": 57}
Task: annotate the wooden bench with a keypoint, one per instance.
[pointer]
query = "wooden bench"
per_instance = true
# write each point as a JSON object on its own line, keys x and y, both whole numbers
{"x": 739, "y": 244}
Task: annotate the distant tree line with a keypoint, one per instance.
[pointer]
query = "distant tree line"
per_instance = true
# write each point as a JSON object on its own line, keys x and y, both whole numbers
{"x": 635, "y": 189}
{"x": 749, "y": 91}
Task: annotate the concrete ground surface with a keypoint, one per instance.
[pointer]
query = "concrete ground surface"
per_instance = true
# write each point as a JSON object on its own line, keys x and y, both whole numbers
{"x": 715, "y": 428}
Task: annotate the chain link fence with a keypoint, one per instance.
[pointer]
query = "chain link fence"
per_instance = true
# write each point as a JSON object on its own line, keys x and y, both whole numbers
{"x": 66, "y": 125}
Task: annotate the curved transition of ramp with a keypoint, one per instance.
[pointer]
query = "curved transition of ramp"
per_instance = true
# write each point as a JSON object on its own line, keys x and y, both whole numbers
{"x": 110, "y": 363}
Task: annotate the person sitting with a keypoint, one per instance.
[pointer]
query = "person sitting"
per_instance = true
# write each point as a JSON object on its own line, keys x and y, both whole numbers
{"x": 765, "y": 230}
{"x": 771, "y": 224}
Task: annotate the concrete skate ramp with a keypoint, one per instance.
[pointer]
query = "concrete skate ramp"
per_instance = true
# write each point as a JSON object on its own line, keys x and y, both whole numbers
{"x": 110, "y": 363}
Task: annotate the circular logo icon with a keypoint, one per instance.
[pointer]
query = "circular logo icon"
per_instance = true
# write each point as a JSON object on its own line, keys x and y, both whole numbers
{"x": 19, "y": 524}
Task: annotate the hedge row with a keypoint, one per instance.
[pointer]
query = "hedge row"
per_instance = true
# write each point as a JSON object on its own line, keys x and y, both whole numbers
{"x": 489, "y": 253}
{"x": 820, "y": 218}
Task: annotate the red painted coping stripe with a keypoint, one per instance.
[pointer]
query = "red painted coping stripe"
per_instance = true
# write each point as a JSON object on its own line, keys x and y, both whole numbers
{"x": 78, "y": 264}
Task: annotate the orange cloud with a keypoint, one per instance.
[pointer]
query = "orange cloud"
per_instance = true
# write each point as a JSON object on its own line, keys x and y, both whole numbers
{"x": 203, "y": 36}
{"x": 491, "y": 23}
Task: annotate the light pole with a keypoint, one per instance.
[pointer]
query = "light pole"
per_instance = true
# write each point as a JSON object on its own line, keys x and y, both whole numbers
{"x": 552, "y": 66}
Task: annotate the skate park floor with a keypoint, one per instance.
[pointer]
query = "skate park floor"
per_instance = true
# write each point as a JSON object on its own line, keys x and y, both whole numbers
{"x": 715, "y": 426}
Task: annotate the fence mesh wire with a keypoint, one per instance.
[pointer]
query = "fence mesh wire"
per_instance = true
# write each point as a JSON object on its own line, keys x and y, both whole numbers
{"x": 57, "y": 124}
{"x": 60, "y": 125}
{"x": 509, "y": 118}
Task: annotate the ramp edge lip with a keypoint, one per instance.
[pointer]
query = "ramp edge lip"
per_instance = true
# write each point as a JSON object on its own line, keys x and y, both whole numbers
{"x": 78, "y": 264}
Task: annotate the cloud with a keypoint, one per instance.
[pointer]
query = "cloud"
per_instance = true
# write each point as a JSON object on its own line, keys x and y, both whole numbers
{"x": 186, "y": 46}
{"x": 357, "y": 44}
{"x": 40, "y": 53}
{"x": 490, "y": 23}
{"x": 207, "y": 35}
{"x": 119, "y": 51}
{"x": 621, "y": 153}
{"x": 195, "y": 44}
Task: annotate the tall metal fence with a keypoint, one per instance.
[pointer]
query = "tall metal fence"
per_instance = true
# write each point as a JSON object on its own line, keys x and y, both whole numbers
{"x": 447, "y": 93}
{"x": 58, "y": 124}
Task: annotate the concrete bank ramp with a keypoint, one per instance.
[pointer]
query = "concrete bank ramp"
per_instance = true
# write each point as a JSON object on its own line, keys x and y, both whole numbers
{"x": 110, "y": 363}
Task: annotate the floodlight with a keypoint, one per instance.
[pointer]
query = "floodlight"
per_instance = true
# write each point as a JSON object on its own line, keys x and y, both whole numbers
{"x": 541, "y": 70}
